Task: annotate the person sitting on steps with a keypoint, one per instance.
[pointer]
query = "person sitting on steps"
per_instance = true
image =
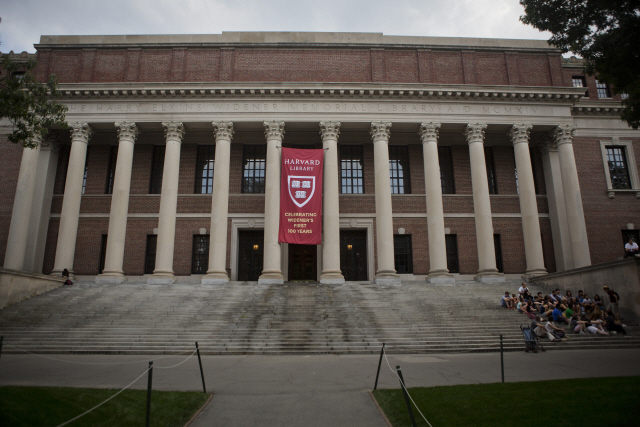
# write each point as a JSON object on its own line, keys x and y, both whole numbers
{"x": 507, "y": 302}
{"x": 65, "y": 276}
{"x": 631, "y": 249}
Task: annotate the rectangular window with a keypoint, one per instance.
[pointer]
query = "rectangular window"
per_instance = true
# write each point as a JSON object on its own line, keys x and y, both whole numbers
{"x": 451, "y": 243}
{"x": 603, "y": 90}
{"x": 150, "y": 256}
{"x": 624, "y": 95}
{"x": 446, "y": 170}
{"x": 498, "y": 246}
{"x": 402, "y": 253}
{"x": 580, "y": 81}
{"x": 200, "y": 254}
{"x": 111, "y": 170}
{"x": 399, "y": 169}
{"x": 618, "y": 168}
{"x": 491, "y": 170}
{"x": 254, "y": 165}
{"x": 103, "y": 253}
{"x": 86, "y": 168}
{"x": 351, "y": 169}
{"x": 157, "y": 167}
{"x": 204, "y": 169}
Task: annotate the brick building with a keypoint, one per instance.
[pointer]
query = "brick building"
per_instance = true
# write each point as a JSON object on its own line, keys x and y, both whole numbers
{"x": 444, "y": 156}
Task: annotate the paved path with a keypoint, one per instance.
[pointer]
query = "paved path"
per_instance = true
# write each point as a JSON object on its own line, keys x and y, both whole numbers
{"x": 316, "y": 390}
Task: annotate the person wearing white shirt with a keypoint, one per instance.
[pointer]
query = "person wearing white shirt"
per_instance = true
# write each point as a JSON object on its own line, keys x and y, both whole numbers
{"x": 631, "y": 249}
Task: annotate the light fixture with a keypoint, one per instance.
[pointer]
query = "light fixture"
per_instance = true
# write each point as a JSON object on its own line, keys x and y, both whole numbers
{"x": 349, "y": 247}
{"x": 255, "y": 247}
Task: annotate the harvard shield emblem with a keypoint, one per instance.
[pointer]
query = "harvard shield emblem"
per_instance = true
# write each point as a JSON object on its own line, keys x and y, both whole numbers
{"x": 301, "y": 189}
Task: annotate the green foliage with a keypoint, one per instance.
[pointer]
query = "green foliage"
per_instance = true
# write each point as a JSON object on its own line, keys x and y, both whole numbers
{"x": 28, "y": 103}
{"x": 51, "y": 406}
{"x": 595, "y": 402}
{"x": 604, "y": 33}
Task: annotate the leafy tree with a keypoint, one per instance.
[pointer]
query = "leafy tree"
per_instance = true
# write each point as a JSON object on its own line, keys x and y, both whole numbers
{"x": 27, "y": 103}
{"x": 605, "y": 33}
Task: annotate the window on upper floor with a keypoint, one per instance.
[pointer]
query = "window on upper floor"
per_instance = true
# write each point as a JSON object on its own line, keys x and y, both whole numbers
{"x": 157, "y": 168}
{"x": 491, "y": 170}
{"x": 111, "y": 170}
{"x": 86, "y": 169}
{"x": 624, "y": 95}
{"x": 580, "y": 81}
{"x": 204, "y": 169}
{"x": 446, "y": 170}
{"x": 254, "y": 166}
{"x": 603, "y": 90}
{"x": 399, "y": 169}
{"x": 620, "y": 169}
{"x": 351, "y": 169}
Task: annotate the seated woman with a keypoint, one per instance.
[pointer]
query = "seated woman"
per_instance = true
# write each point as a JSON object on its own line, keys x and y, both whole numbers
{"x": 553, "y": 332}
{"x": 520, "y": 304}
{"x": 529, "y": 310}
{"x": 595, "y": 324}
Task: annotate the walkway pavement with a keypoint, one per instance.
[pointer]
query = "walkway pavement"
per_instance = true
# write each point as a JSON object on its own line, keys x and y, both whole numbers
{"x": 317, "y": 390}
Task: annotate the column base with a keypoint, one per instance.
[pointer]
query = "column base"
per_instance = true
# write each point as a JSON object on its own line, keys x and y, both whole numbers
{"x": 441, "y": 276}
{"x": 215, "y": 277}
{"x": 535, "y": 272}
{"x": 387, "y": 278}
{"x": 161, "y": 279}
{"x": 109, "y": 278}
{"x": 489, "y": 276}
{"x": 331, "y": 277}
{"x": 271, "y": 277}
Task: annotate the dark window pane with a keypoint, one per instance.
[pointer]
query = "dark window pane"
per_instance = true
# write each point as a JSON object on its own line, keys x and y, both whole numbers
{"x": 157, "y": 168}
{"x": 111, "y": 171}
{"x": 103, "y": 253}
{"x": 399, "y": 169}
{"x": 618, "y": 167}
{"x": 150, "y": 257}
{"x": 200, "y": 254}
{"x": 86, "y": 166}
{"x": 254, "y": 165}
{"x": 491, "y": 174}
{"x": 402, "y": 253}
{"x": 498, "y": 247}
{"x": 579, "y": 81}
{"x": 446, "y": 170}
{"x": 603, "y": 90}
{"x": 204, "y": 169}
{"x": 351, "y": 173}
{"x": 451, "y": 243}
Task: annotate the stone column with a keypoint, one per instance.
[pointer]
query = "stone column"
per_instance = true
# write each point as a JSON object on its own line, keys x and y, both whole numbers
{"x": 331, "y": 273}
{"x": 272, "y": 273}
{"x": 14, "y": 258}
{"x": 557, "y": 209}
{"x": 113, "y": 272}
{"x": 70, "y": 214}
{"x": 563, "y": 136}
{"x": 438, "y": 272}
{"x": 528, "y": 205}
{"x": 487, "y": 271}
{"x": 163, "y": 273}
{"x": 217, "y": 272}
{"x": 386, "y": 274}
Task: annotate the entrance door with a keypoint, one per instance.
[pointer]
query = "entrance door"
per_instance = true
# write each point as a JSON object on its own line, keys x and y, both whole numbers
{"x": 302, "y": 262}
{"x": 251, "y": 252}
{"x": 353, "y": 254}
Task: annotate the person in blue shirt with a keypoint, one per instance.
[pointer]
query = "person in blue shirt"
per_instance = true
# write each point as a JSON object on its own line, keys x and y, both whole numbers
{"x": 558, "y": 316}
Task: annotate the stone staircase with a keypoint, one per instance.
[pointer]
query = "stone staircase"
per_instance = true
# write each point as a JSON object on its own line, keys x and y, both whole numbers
{"x": 295, "y": 318}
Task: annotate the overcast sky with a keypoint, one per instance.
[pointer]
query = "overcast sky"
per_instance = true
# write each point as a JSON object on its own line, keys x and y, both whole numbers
{"x": 24, "y": 21}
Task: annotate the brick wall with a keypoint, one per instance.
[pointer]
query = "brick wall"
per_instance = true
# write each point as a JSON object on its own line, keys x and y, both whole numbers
{"x": 12, "y": 156}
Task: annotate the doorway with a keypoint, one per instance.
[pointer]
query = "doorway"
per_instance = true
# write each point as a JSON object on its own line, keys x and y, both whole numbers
{"x": 303, "y": 262}
{"x": 353, "y": 254}
{"x": 250, "y": 254}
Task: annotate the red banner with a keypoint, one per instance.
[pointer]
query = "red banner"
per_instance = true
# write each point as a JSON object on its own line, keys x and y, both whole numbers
{"x": 301, "y": 197}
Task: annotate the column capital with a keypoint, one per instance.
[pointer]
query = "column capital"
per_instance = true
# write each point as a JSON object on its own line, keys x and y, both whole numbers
{"x": 173, "y": 131}
{"x": 127, "y": 130}
{"x": 80, "y": 132}
{"x": 520, "y": 133}
{"x": 429, "y": 131}
{"x": 329, "y": 130}
{"x": 274, "y": 129}
{"x": 223, "y": 130}
{"x": 563, "y": 134}
{"x": 380, "y": 131}
{"x": 474, "y": 132}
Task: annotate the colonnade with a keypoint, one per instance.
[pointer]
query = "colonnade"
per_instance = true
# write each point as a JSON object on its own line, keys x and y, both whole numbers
{"x": 274, "y": 133}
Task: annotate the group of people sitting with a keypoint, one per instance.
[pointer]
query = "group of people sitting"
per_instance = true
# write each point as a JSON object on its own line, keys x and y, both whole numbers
{"x": 583, "y": 314}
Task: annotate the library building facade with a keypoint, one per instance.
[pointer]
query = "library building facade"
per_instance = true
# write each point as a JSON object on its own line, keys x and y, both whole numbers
{"x": 443, "y": 158}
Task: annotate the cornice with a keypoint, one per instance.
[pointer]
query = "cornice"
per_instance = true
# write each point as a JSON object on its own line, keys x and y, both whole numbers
{"x": 207, "y": 91}
{"x": 597, "y": 108}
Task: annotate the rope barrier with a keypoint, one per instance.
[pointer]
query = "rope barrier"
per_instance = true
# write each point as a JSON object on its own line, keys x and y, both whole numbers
{"x": 173, "y": 366}
{"x": 405, "y": 388}
{"x": 102, "y": 403}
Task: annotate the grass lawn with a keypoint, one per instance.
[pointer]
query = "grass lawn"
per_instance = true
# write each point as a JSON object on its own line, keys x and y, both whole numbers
{"x": 51, "y": 406}
{"x": 576, "y": 402}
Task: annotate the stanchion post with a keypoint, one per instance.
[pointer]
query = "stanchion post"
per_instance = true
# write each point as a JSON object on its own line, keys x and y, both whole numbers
{"x": 204, "y": 388}
{"x": 150, "y": 378}
{"x": 403, "y": 386}
{"x": 501, "y": 357}
{"x": 379, "y": 364}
